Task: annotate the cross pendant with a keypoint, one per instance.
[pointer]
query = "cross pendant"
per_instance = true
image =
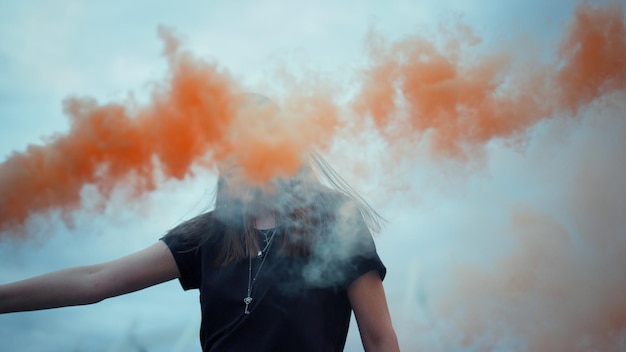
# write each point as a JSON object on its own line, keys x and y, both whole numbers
{"x": 247, "y": 301}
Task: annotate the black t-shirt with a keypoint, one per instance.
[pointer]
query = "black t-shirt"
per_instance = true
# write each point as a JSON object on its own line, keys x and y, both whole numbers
{"x": 299, "y": 304}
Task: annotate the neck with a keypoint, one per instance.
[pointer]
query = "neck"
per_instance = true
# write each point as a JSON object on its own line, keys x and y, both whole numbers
{"x": 264, "y": 219}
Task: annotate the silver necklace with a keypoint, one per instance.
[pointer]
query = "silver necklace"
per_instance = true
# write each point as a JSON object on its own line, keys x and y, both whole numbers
{"x": 262, "y": 255}
{"x": 265, "y": 234}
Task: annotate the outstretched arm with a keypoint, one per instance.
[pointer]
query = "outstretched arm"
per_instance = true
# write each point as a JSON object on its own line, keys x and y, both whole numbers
{"x": 91, "y": 284}
{"x": 368, "y": 301}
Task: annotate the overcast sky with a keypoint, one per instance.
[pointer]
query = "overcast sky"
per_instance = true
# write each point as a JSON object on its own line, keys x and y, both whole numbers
{"x": 498, "y": 251}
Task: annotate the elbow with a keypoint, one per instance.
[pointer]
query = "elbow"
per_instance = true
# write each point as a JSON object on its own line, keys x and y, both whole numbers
{"x": 94, "y": 288}
{"x": 385, "y": 341}
{"x": 93, "y": 297}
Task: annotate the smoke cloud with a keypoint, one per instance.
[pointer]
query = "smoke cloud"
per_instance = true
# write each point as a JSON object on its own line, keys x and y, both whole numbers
{"x": 554, "y": 282}
{"x": 559, "y": 285}
{"x": 413, "y": 87}
{"x": 196, "y": 116}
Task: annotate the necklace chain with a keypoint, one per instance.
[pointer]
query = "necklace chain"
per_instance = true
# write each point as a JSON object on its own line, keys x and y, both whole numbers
{"x": 263, "y": 255}
{"x": 265, "y": 234}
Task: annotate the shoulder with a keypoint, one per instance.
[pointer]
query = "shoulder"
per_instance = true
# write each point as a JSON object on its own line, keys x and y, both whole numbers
{"x": 195, "y": 231}
{"x": 194, "y": 225}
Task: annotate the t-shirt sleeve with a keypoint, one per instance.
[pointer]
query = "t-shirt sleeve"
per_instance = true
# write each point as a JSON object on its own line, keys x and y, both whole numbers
{"x": 346, "y": 252}
{"x": 185, "y": 243}
{"x": 364, "y": 262}
{"x": 362, "y": 255}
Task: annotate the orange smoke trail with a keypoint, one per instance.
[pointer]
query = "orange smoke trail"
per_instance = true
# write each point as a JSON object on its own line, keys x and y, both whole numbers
{"x": 194, "y": 113}
{"x": 466, "y": 105}
{"x": 594, "y": 52}
{"x": 411, "y": 84}
{"x": 106, "y": 143}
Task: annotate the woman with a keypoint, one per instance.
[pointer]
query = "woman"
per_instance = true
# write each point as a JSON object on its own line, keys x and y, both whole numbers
{"x": 279, "y": 267}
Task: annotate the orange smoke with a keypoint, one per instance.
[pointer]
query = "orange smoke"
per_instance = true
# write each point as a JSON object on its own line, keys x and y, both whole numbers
{"x": 196, "y": 113}
{"x": 594, "y": 55}
{"x": 107, "y": 143}
{"x": 412, "y": 88}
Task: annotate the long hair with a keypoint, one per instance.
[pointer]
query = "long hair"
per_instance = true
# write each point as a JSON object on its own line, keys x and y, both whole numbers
{"x": 303, "y": 205}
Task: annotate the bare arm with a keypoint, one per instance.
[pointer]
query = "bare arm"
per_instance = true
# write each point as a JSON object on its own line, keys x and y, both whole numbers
{"x": 368, "y": 301}
{"x": 91, "y": 284}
